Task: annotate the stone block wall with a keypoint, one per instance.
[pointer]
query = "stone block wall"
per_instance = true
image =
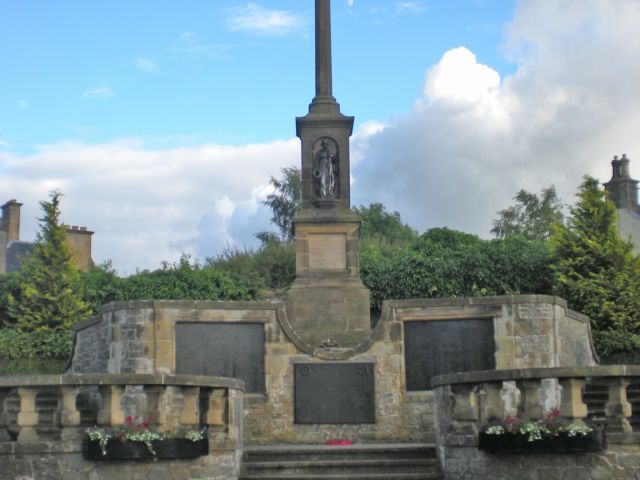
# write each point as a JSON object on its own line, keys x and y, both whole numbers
{"x": 140, "y": 337}
{"x": 530, "y": 331}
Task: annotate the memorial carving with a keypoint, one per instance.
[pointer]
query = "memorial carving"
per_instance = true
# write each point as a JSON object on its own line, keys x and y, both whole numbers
{"x": 325, "y": 172}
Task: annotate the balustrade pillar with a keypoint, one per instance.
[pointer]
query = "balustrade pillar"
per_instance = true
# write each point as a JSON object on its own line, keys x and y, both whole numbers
{"x": 4, "y": 435}
{"x": 217, "y": 408}
{"x": 531, "y": 393}
{"x": 618, "y": 409}
{"x": 491, "y": 405}
{"x": 28, "y": 417}
{"x": 111, "y": 412}
{"x": 465, "y": 402}
{"x": 69, "y": 414}
{"x": 190, "y": 414}
{"x": 572, "y": 407}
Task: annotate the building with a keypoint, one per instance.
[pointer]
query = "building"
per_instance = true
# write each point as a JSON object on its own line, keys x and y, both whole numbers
{"x": 623, "y": 191}
{"x": 13, "y": 250}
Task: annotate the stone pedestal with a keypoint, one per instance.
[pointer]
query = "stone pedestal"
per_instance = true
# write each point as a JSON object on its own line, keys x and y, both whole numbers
{"x": 327, "y": 305}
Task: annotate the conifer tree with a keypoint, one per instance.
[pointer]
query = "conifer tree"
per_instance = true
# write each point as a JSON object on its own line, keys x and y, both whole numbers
{"x": 595, "y": 270}
{"x": 47, "y": 298}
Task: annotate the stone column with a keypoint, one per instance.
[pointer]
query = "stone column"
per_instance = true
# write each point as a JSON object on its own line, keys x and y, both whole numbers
{"x": 217, "y": 411}
{"x": 572, "y": 407}
{"x": 618, "y": 409}
{"x": 111, "y": 412}
{"x": 324, "y": 82}
{"x": 190, "y": 406}
{"x": 28, "y": 416}
{"x": 465, "y": 402}
{"x": 491, "y": 405}
{"x": 69, "y": 414}
{"x": 531, "y": 393}
{"x": 4, "y": 435}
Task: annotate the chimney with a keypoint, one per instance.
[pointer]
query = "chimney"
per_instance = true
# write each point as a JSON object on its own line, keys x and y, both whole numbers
{"x": 79, "y": 243}
{"x": 623, "y": 190}
{"x": 11, "y": 220}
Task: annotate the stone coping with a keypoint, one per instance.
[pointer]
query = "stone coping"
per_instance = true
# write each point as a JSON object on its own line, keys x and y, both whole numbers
{"x": 88, "y": 379}
{"x": 179, "y": 304}
{"x": 535, "y": 373}
{"x": 491, "y": 300}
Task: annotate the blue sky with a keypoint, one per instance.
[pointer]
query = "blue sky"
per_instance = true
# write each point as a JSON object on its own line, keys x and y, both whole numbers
{"x": 217, "y": 70}
{"x": 161, "y": 122}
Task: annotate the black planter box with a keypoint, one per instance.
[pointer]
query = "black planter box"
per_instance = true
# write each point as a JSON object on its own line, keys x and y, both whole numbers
{"x": 517, "y": 443}
{"x": 174, "y": 448}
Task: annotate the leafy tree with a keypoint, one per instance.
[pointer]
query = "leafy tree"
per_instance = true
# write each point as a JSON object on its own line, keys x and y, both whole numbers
{"x": 9, "y": 285}
{"x": 447, "y": 263}
{"x": 100, "y": 285}
{"x": 594, "y": 270}
{"x": 48, "y": 298}
{"x": 532, "y": 216}
{"x": 381, "y": 226}
{"x": 284, "y": 201}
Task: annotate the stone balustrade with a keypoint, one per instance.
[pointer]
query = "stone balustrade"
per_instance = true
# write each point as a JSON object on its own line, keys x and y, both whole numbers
{"x": 60, "y": 407}
{"x": 489, "y": 396}
{"x": 465, "y": 403}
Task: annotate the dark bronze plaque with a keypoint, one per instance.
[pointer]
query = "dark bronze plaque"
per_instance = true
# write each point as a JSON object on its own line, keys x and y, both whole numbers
{"x": 222, "y": 349}
{"x": 436, "y": 347}
{"x": 334, "y": 393}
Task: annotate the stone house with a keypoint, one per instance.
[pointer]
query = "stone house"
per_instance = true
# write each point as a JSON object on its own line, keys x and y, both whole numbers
{"x": 12, "y": 249}
{"x": 623, "y": 191}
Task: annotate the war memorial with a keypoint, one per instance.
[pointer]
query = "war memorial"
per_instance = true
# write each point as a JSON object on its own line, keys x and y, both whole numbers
{"x": 313, "y": 387}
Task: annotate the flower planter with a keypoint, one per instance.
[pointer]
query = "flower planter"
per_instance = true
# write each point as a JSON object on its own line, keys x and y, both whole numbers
{"x": 174, "y": 448}
{"x": 518, "y": 443}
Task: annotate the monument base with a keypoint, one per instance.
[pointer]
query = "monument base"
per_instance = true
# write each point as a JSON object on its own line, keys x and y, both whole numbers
{"x": 328, "y": 313}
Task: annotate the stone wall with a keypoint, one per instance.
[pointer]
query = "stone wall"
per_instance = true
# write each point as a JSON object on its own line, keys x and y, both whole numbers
{"x": 466, "y": 403}
{"x": 530, "y": 331}
{"x": 43, "y": 419}
{"x": 140, "y": 337}
{"x": 62, "y": 460}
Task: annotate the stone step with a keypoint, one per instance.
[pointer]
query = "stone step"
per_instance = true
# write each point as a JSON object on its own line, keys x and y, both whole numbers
{"x": 347, "y": 466}
{"x": 390, "y": 461}
{"x": 324, "y": 452}
{"x": 347, "y": 476}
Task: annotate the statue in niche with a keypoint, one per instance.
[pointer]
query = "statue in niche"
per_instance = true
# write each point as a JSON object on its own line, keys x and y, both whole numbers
{"x": 325, "y": 172}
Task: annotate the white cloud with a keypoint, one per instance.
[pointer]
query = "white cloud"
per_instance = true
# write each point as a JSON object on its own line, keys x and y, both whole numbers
{"x": 350, "y": 3}
{"x": 409, "y": 8}
{"x": 473, "y": 140}
{"x": 193, "y": 45}
{"x": 99, "y": 93}
{"x": 148, "y": 205}
{"x": 146, "y": 65}
{"x": 258, "y": 20}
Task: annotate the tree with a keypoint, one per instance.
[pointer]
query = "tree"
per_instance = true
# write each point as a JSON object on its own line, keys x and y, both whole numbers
{"x": 379, "y": 224}
{"x": 284, "y": 202}
{"x": 594, "y": 270}
{"x": 48, "y": 300}
{"x": 532, "y": 216}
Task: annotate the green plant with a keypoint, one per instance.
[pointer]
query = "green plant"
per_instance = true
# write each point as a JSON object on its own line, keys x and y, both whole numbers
{"x": 47, "y": 298}
{"x": 535, "y": 430}
{"x": 140, "y": 430}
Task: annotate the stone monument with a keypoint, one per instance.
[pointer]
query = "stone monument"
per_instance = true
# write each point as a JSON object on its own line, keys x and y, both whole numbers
{"x": 327, "y": 306}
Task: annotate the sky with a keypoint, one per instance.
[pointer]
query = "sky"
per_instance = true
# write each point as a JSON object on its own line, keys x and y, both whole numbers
{"x": 161, "y": 122}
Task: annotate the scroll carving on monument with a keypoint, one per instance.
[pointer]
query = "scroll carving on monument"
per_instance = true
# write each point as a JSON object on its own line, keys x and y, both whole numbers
{"x": 325, "y": 169}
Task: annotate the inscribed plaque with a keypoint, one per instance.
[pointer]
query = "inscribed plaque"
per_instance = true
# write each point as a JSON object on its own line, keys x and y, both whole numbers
{"x": 437, "y": 347}
{"x": 233, "y": 350}
{"x": 328, "y": 251}
{"x": 334, "y": 393}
